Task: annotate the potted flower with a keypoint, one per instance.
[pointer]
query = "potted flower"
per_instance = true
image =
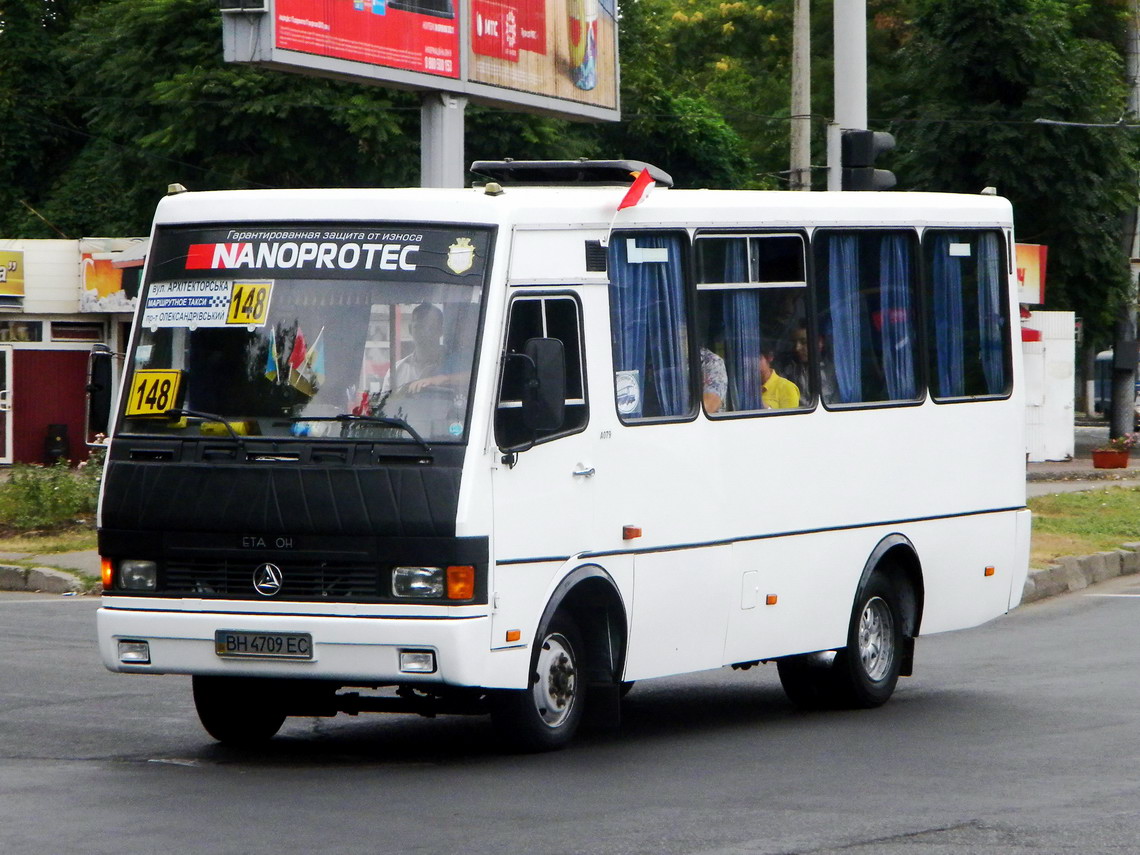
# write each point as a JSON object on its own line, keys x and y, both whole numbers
{"x": 1114, "y": 455}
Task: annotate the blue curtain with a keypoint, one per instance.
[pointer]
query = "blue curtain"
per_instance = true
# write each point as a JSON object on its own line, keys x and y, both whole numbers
{"x": 989, "y": 313}
{"x": 948, "y": 316}
{"x": 742, "y": 331}
{"x": 647, "y": 311}
{"x": 843, "y": 291}
{"x": 895, "y": 310}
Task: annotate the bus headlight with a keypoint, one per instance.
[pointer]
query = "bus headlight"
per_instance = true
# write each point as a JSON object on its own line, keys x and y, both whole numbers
{"x": 138, "y": 575}
{"x": 418, "y": 582}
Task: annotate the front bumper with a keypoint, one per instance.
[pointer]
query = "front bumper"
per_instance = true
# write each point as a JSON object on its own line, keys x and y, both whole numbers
{"x": 350, "y": 649}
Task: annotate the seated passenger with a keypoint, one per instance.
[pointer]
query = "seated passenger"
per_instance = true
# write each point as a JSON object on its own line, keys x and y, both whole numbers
{"x": 794, "y": 365}
{"x": 777, "y": 393}
{"x": 714, "y": 380}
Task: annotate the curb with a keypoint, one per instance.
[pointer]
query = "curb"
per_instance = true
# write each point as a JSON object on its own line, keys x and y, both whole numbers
{"x": 45, "y": 580}
{"x": 1077, "y": 572}
{"x": 1110, "y": 475}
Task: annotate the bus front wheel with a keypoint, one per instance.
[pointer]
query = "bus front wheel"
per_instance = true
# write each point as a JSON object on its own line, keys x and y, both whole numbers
{"x": 237, "y": 711}
{"x": 864, "y": 673}
{"x": 545, "y": 716}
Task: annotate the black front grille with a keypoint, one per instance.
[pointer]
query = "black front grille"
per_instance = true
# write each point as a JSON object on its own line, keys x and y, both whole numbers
{"x": 301, "y": 580}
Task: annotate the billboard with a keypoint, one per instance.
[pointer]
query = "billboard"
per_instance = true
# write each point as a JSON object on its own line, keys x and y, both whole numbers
{"x": 551, "y": 56}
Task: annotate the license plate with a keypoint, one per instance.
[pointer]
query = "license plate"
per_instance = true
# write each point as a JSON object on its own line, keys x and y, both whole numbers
{"x": 235, "y": 644}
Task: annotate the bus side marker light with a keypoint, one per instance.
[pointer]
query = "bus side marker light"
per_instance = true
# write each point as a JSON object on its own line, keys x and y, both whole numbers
{"x": 514, "y": 634}
{"x": 461, "y": 582}
{"x": 770, "y": 600}
{"x": 630, "y": 532}
{"x": 107, "y": 570}
{"x": 990, "y": 571}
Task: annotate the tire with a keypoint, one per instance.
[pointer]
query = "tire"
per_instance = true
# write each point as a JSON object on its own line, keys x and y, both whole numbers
{"x": 545, "y": 716}
{"x": 863, "y": 674}
{"x": 238, "y": 712}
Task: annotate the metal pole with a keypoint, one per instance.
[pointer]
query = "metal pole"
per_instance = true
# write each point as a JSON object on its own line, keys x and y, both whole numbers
{"x": 850, "y": 27}
{"x": 1123, "y": 419}
{"x": 801, "y": 97}
{"x": 441, "y": 140}
{"x": 849, "y": 23}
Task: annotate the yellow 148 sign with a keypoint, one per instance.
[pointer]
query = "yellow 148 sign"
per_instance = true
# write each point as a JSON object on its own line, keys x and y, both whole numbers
{"x": 152, "y": 392}
{"x": 249, "y": 303}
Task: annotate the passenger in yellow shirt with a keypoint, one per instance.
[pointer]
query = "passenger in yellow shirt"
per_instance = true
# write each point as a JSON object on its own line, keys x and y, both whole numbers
{"x": 777, "y": 393}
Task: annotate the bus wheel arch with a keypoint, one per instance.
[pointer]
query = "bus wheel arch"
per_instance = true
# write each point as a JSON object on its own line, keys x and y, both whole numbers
{"x": 896, "y": 558}
{"x": 885, "y": 618}
{"x": 579, "y": 650}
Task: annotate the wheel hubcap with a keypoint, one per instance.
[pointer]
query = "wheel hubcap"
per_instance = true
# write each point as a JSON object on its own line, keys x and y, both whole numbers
{"x": 876, "y": 638}
{"x": 556, "y": 681}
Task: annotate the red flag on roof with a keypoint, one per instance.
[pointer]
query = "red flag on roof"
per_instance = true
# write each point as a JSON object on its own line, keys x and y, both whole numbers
{"x": 642, "y": 184}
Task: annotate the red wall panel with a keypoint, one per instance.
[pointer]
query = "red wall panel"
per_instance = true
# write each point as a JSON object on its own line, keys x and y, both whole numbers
{"x": 48, "y": 387}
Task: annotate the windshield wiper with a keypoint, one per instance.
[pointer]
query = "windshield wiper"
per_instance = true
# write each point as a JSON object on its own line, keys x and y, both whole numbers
{"x": 209, "y": 417}
{"x": 390, "y": 421}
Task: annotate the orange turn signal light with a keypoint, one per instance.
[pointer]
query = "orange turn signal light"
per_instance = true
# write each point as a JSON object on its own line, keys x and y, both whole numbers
{"x": 770, "y": 600}
{"x": 107, "y": 570}
{"x": 461, "y": 582}
{"x": 514, "y": 634}
{"x": 990, "y": 571}
{"x": 630, "y": 532}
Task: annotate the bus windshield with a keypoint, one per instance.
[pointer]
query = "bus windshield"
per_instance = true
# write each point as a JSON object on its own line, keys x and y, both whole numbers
{"x": 334, "y": 333}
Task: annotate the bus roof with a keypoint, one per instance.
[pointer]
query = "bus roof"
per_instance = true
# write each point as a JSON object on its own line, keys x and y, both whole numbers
{"x": 585, "y": 207}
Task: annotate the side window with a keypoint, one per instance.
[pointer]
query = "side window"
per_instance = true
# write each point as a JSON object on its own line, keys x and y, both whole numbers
{"x": 865, "y": 285}
{"x": 968, "y": 331}
{"x": 752, "y": 323}
{"x": 541, "y": 317}
{"x": 649, "y": 323}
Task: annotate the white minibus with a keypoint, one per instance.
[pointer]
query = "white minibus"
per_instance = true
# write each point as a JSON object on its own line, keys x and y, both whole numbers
{"x": 509, "y": 449}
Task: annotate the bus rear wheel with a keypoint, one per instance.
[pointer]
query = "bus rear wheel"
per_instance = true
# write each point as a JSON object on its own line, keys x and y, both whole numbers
{"x": 864, "y": 673}
{"x": 237, "y": 711}
{"x": 545, "y": 716}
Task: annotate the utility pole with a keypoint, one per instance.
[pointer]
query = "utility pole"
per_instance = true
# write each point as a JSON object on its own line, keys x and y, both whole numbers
{"x": 1123, "y": 417}
{"x": 800, "y": 173}
{"x": 849, "y": 23}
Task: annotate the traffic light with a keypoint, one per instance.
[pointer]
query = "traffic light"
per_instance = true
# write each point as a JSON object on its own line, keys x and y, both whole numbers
{"x": 858, "y": 150}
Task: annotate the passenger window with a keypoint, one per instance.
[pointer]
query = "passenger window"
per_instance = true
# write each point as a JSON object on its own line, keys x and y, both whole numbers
{"x": 649, "y": 323}
{"x": 865, "y": 295}
{"x": 541, "y": 317}
{"x": 968, "y": 331}
{"x": 752, "y": 323}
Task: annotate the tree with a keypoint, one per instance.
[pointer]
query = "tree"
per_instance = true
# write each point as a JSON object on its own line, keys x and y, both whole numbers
{"x": 978, "y": 76}
{"x": 36, "y": 130}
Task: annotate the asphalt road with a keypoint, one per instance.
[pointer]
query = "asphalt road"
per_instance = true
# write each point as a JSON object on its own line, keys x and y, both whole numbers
{"x": 1020, "y": 736}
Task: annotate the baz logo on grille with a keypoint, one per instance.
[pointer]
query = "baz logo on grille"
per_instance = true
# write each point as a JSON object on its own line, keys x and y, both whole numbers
{"x": 267, "y": 580}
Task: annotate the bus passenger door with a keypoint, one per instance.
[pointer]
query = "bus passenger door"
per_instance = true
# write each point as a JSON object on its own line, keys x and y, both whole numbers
{"x": 544, "y": 490}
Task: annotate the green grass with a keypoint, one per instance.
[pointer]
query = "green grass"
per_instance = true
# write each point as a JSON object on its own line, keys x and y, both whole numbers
{"x": 1083, "y": 523}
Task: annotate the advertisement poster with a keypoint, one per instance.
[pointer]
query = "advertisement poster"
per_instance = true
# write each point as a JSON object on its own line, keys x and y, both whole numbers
{"x": 11, "y": 274}
{"x": 1031, "y": 261}
{"x": 413, "y": 35}
{"x": 559, "y": 48}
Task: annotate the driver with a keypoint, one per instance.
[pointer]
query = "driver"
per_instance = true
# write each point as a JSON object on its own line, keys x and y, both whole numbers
{"x": 423, "y": 367}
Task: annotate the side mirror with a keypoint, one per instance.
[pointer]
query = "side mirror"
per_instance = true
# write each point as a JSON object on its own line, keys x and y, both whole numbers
{"x": 99, "y": 383}
{"x": 544, "y": 388}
